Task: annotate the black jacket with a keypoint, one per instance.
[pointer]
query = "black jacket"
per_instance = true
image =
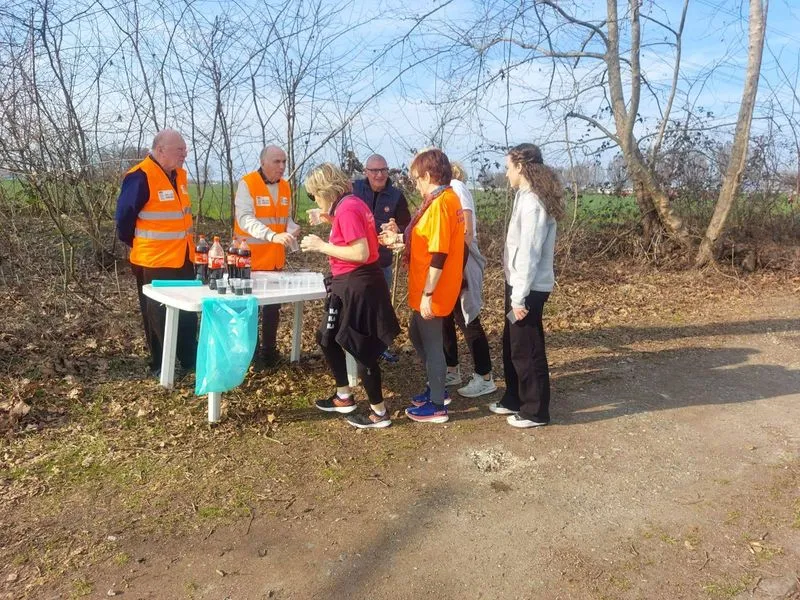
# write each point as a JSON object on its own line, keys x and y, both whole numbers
{"x": 359, "y": 315}
{"x": 390, "y": 204}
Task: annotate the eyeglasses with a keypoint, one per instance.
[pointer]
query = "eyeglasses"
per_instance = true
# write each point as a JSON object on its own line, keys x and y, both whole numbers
{"x": 378, "y": 171}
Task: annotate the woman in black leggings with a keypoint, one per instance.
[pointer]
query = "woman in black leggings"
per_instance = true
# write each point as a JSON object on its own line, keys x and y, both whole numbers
{"x": 359, "y": 317}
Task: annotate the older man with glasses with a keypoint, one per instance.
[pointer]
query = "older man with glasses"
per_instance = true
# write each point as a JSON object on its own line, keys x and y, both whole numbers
{"x": 386, "y": 202}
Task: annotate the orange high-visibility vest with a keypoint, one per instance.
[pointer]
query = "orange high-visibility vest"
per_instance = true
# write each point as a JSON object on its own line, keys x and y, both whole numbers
{"x": 272, "y": 212}
{"x": 164, "y": 225}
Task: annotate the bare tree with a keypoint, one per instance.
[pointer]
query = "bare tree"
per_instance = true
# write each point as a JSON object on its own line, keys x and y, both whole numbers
{"x": 733, "y": 175}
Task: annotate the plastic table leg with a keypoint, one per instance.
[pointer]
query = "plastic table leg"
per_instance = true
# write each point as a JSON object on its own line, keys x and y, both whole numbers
{"x": 170, "y": 347}
{"x": 214, "y": 404}
{"x": 297, "y": 330}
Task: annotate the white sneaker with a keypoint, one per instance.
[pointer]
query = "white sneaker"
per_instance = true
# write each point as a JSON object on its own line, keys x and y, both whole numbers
{"x": 453, "y": 377}
{"x": 499, "y": 409}
{"x": 478, "y": 386}
{"x": 522, "y": 423}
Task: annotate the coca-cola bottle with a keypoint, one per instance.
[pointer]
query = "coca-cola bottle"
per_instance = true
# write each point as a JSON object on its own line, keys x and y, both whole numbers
{"x": 243, "y": 260}
{"x": 201, "y": 260}
{"x": 216, "y": 263}
{"x": 231, "y": 259}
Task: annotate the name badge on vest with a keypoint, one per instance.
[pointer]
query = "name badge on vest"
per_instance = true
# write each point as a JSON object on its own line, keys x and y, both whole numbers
{"x": 166, "y": 195}
{"x": 262, "y": 200}
{"x": 284, "y": 202}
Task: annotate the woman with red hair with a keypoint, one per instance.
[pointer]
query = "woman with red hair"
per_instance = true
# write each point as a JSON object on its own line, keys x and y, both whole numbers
{"x": 434, "y": 255}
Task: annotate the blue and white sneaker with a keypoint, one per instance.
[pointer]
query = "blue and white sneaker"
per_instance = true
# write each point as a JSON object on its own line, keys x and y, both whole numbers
{"x": 428, "y": 413}
{"x": 425, "y": 396}
{"x": 389, "y": 357}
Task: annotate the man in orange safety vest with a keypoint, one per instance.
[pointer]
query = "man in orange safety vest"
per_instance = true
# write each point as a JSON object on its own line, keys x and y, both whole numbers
{"x": 154, "y": 218}
{"x": 263, "y": 218}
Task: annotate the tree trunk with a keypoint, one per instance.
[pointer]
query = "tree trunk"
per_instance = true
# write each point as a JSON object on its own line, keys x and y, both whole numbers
{"x": 653, "y": 201}
{"x": 660, "y": 207}
{"x": 733, "y": 175}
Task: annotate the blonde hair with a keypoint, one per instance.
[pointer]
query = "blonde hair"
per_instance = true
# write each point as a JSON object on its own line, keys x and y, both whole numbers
{"x": 327, "y": 181}
{"x": 458, "y": 171}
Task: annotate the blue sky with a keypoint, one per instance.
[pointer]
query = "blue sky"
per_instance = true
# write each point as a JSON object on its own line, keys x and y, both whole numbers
{"x": 405, "y": 116}
{"x": 715, "y": 38}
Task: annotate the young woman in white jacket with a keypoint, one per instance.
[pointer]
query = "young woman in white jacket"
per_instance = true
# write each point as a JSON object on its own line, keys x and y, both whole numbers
{"x": 528, "y": 266}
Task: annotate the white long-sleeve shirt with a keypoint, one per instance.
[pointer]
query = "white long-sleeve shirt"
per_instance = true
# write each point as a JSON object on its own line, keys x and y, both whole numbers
{"x": 246, "y": 214}
{"x": 530, "y": 245}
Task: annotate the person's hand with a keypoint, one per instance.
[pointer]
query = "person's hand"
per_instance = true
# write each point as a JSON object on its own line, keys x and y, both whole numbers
{"x": 387, "y": 238}
{"x": 312, "y": 243}
{"x": 520, "y": 313}
{"x": 284, "y": 239}
{"x": 390, "y": 226}
{"x": 425, "y": 307}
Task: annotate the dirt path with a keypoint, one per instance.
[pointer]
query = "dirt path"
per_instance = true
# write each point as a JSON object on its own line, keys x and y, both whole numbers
{"x": 671, "y": 471}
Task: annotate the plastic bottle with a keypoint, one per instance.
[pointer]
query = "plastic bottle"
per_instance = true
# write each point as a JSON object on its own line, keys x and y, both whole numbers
{"x": 201, "y": 260}
{"x": 243, "y": 260}
{"x": 231, "y": 259}
{"x": 216, "y": 263}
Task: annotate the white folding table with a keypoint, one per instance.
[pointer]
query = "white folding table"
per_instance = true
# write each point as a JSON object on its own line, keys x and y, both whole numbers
{"x": 176, "y": 299}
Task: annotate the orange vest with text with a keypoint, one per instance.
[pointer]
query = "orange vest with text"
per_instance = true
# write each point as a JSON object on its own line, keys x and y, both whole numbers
{"x": 164, "y": 225}
{"x": 272, "y": 212}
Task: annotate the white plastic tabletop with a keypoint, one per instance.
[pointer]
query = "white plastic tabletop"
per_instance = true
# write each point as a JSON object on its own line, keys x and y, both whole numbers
{"x": 191, "y": 298}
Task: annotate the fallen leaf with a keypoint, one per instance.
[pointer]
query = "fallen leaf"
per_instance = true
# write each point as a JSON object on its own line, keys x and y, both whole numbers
{"x": 20, "y": 409}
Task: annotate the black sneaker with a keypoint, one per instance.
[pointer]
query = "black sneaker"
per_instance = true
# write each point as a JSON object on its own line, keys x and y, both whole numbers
{"x": 336, "y": 404}
{"x": 266, "y": 360}
{"x": 371, "y": 420}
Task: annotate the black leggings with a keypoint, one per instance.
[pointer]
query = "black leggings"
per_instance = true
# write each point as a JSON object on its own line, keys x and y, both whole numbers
{"x": 370, "y": 374}
{"x": 475, "y": 337}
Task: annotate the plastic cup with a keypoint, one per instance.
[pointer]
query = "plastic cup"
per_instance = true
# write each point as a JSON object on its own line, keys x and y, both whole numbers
{"x": 247, "y": 284}
{"x": 222, "y": 286}
{"x": 293, "y": 246}
{"x": 314, "y": 216}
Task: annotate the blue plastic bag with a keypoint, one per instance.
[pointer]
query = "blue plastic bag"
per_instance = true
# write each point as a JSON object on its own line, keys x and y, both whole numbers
{"x": 228, "y": 334}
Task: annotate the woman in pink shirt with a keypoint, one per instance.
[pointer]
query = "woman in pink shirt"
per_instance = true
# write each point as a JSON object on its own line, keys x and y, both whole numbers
{"x": 359, "y": 317}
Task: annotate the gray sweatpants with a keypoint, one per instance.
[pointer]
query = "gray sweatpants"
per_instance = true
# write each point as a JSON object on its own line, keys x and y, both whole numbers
{"x": 426, "y": 335}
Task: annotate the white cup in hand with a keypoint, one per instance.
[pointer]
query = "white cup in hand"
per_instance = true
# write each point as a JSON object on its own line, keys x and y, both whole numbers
{"x": 314, "y": 216}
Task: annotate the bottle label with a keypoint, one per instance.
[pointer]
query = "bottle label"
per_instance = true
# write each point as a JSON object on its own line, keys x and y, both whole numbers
{"x": 216, "y": 262}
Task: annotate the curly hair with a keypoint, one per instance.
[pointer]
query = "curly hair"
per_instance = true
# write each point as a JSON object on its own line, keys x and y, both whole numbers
{"x": 542, "y": 180}
{"x": 435, "y": 163}
{"x": 327, "y": 181}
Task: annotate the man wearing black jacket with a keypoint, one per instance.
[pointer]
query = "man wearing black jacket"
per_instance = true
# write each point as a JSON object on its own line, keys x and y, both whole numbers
{"x": 386, "y": 202}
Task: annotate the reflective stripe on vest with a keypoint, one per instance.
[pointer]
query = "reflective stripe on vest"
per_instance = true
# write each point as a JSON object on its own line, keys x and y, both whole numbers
{"x": 274, "y": 220}
{"x": 154, "y": 215}
{"x": 159, "y": 235}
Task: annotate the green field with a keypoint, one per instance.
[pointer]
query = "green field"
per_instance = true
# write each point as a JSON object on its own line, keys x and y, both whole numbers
{"x": 594, "y": 210}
